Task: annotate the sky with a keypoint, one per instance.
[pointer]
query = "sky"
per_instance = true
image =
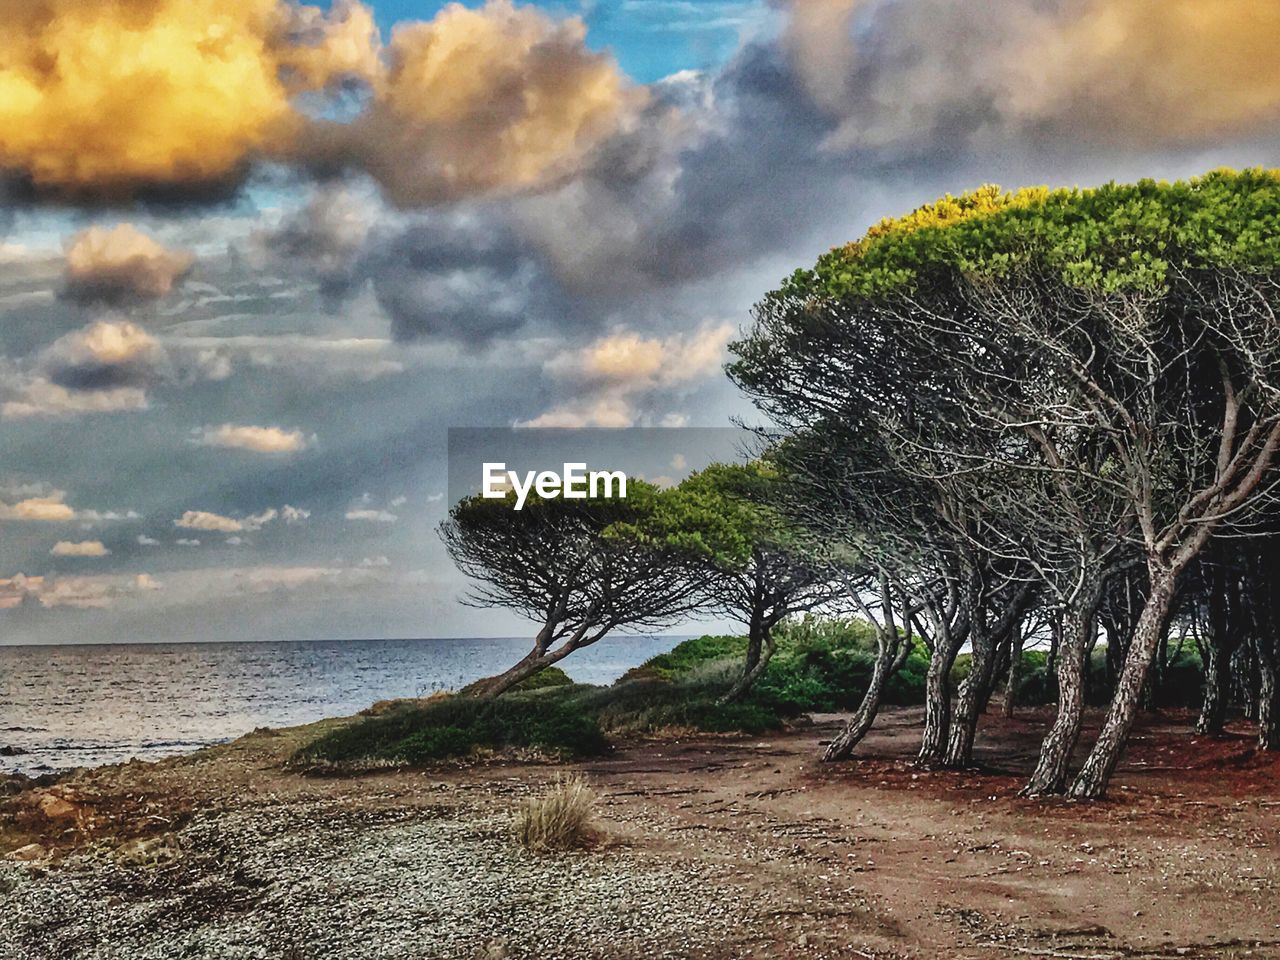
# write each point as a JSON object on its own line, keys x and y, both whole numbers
{"x": 258, "y": 257}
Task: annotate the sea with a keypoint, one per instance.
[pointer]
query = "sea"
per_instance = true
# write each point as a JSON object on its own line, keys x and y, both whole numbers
{"x": 69, "y": 706}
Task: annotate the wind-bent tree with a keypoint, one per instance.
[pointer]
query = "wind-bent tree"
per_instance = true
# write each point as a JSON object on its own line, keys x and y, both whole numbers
{"x": 571, "y": 566}
{"x": 1134, "y": 325}
{"x": 760, "y": 568}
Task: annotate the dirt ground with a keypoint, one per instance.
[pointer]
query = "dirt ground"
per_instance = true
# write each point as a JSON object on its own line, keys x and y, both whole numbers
{"x": 740, "y": 847}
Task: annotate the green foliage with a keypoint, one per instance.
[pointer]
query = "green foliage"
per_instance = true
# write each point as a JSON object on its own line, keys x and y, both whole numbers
{"x": 456, "y": 726}
{"x": 688, "y": 655}
{"x": 547, "y": 677}
{"x": 1111, "y": 238}
{"x": 821, "y": 664}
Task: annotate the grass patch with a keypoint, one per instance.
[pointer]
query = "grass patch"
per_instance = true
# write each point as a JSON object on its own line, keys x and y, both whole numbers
{"x": 559, "y": 819}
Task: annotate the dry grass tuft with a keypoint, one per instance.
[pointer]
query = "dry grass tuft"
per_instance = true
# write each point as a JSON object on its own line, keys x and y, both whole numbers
{"x": 559, "y": 819}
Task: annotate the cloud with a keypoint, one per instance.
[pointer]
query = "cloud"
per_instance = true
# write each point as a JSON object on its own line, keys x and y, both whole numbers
{"x": 371, "y": 516}
{"x": 109, "y": 99}
{"x": 217, "y": 523}
{"x": 83, "y": 548}
{"x": 121, "y": 265}
{"x": 325, "y": 237}
{"x": 50, "y": 508}
{"x": 294, "y": 515}
{"x": 40, "y": 398}
{"x": 104, "y": 356}
{"x": 496, "y": 99}
{"x": 1066, "y": 72}
{"x": 187, "y": 542}
{"x": 256, "y": 439}
{"x": 105, "y": 367}
{"x": 620, "y": 379}
{"x": 79, "y": 592}
{"x": 145, "y": 541}
{"x": 462, "y": 276}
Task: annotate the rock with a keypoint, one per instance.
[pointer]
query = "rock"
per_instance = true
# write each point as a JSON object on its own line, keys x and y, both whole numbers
{"x": 32, "y": 851}
{"x": 8, "y": 750}
{"x": 54, "y": 807}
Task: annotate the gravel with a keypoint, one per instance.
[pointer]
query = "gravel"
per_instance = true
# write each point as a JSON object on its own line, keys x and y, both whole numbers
{"x": 315, "y": 878}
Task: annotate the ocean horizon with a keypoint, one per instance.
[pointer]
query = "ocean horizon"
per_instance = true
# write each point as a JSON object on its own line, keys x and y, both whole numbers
{"x": 72, "y": 705}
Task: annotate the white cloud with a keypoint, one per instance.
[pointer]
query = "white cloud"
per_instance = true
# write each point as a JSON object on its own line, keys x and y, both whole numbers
{"x": 372, "y": 516}
{"x": 83, "y": 548}
{"x": 293, "y": 515}
{"x": 217, "y": 523}
{"x": 145, "y": 541}
{"x": 257, "y": 439}
{"x": 618, "y": 379}
{"x": 187, "y": 542}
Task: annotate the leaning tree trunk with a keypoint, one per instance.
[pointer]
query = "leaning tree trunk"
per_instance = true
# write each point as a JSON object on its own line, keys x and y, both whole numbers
{"x": 889, "y": 658}
{"x": 537, "y": 660}
{"x": 1054, "y": 763}
{"x": 761, "y": 645}
{"x": 999, "y": 666}
{"x": 1091, "y": 782}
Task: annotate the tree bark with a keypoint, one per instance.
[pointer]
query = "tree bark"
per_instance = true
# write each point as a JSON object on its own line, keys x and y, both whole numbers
{"x": 1054, "y": 763}
{"x": 937, "y": 705}
{"x": 889, "y": 658}
{"x": 534, "y": 662}
{"x": 1015, "y": 673}
{"x": 1213, "y": 708}
{"x": 761, "y": 646}
{"x": 1268, "y": 695}
{"x": 1092, "y": 780}
{"x": 964, "y": 719}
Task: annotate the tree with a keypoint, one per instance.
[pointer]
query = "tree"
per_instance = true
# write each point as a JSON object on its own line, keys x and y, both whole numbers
{"x": 1131, "y": 327}
{"x": 760, "y": 568}
{"x": 570, "y": 565}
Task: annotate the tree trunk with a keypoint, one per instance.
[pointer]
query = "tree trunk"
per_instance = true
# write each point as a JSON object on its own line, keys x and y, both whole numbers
{"x": 495, "y": 686}
{"x": 1091, "y": 782}
{"x": 535, "y": 661}
{"x": 888, "y": 659}
{"x": 999, "y": 665}
{"x": 760, "y": 649}
{"x": 1268, "y": 696}
{"x": 1213, "y": 709}
{"x": 964, "y": 720}
{"x": 1050, "y": 774}
{"x": 937, "y": 705}
{"x": 1015, "y": 674}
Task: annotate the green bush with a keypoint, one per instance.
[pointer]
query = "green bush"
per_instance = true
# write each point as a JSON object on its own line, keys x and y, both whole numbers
{"x": 456, "y": 726}
{"x": 687, "y": 656}
{"x": 550, "y": 677}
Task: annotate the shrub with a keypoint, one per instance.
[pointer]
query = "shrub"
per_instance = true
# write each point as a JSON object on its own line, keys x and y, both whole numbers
{"x": 559, "y": 819}
{"x": 456, "y": 726}
{"x": 687, "y": 656}
{"x": 549, "y": 677}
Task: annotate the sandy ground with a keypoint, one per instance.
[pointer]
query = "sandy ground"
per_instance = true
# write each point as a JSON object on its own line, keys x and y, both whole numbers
{"x": 713, "y": 848}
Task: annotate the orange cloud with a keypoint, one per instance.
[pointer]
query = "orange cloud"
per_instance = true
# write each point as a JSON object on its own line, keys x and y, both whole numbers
{"x": 111, "y": 97}
{"x": 121, "y": 264}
